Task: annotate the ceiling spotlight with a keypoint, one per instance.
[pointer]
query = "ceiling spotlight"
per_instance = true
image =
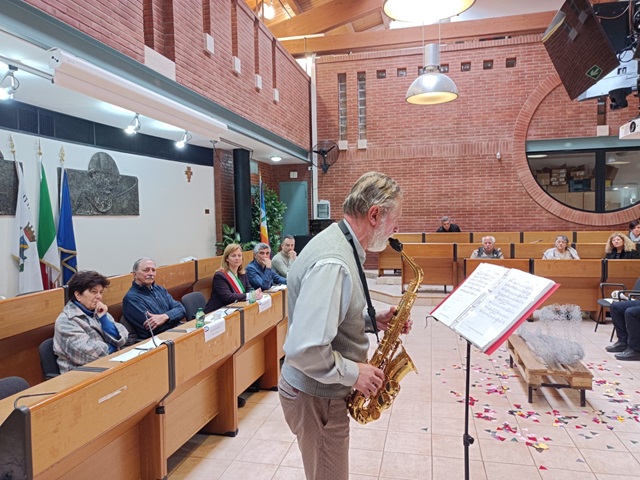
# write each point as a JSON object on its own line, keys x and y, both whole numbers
{"x": 134, "y": 126}
{"x": 275, "y": 158}
{"x": 9, "y": 84}
{"x": 432, "y": 87}
{"x": 186, "y": 136}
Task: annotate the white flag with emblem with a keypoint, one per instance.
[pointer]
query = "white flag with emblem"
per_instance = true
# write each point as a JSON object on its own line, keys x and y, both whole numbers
{"x": 25, "y": 248}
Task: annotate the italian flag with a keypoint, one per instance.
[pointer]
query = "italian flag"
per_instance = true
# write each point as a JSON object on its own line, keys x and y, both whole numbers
{"x": 47, "y": 243}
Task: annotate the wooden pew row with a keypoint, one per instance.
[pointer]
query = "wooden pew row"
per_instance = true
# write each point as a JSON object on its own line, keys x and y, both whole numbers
{"x": 195, "y": 389}
{"x": 435, "y": 259}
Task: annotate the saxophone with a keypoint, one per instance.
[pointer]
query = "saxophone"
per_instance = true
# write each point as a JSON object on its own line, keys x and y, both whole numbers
{"x": 390, "y": 356}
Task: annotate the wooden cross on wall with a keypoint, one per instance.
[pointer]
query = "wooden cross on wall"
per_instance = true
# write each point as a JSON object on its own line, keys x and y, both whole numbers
{"x": 188, "y": 172}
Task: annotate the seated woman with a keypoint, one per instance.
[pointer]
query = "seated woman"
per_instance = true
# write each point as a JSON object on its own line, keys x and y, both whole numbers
{"x": 230, "y": 284}
{"x": 562, "y": 250}
{"x": 620, "y": 247}
{"x": 634, "y": 231}
{"x": 84, "y": 331}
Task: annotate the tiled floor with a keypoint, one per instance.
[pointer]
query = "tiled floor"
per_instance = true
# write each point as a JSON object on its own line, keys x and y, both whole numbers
{"x": 421, "y": 436}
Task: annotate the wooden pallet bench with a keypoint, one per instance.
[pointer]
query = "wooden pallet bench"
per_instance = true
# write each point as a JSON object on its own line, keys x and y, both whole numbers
{"x": 537, "y": 374}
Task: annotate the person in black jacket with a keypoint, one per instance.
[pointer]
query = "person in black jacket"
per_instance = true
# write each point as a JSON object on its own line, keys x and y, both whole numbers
{"x": 230, "y": 284}
{"x": 447, "y": 226}
{"x": 620, "y": 247}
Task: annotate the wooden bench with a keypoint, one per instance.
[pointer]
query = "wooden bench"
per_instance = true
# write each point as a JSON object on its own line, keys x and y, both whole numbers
{"x": 545, "y": 237}
{"x": 593, "y": 237}
{"x": 590, "y": 250}
{"x": 537, "y": 374}
{"x": 579, "y": 281}
{"x": 435, "y": 259}
{"x": 501, "y": 237}
{"x": 530, "y": 250}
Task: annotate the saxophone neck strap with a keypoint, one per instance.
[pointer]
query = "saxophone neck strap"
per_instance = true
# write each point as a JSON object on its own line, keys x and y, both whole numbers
{"x": 370, "y": 310}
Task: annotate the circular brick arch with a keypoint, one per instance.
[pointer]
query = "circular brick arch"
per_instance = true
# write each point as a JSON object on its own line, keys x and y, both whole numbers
{"x": 530, "y": 184}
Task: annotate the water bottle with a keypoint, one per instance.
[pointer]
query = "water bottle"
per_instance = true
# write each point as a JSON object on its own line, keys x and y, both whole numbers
{"x": 251, "y": 296}
{"x": 200, "y": 318}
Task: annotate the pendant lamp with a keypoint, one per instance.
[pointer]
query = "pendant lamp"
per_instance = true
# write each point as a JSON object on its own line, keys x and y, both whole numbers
{"x": 424, "y": 11}
{"x": 432, "y": 87}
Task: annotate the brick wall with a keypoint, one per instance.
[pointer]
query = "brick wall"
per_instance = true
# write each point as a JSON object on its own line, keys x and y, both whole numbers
{"x": 120, "y": 24}
{"x": 444, "y": 156}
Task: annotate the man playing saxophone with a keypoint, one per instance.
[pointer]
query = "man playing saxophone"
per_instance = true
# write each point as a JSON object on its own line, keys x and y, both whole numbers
{"x": 326, "y": 347}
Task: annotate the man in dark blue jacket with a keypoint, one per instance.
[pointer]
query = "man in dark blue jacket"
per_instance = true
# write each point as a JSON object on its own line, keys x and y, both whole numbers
{"x": 260, "y": 273}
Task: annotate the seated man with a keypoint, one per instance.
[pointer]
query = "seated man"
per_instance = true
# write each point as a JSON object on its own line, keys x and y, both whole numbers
{"x": 85, "y": 331}
{"x": 626, "y": 319}
{"x": 447, "y": 226}
{"x": 282, "y": 261}
{"x": 488, "y": 249}
{"x": 260, "y": 273}
{"x": 147, "y": 306}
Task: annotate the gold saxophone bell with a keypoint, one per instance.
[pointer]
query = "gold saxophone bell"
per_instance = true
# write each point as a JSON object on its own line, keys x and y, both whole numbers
{"x": 390, "y": 356}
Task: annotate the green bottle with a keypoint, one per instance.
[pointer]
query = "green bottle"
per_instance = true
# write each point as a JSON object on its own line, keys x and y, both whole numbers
{"x": 200, "y": 318}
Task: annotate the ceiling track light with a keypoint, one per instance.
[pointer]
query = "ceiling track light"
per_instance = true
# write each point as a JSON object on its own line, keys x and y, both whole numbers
{"x": 186, "y": 136}
{"x": 134, "y": 126}
{"x": 9, "y": 84}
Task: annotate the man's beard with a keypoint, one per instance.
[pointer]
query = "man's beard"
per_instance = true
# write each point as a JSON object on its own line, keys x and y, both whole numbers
{"x": 378, "y": 242}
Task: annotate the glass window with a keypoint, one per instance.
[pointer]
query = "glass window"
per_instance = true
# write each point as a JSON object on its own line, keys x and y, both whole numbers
{"x": 342, "y": 105}
{"x": 362, "y": 106}
{"x": 599, "y": 180}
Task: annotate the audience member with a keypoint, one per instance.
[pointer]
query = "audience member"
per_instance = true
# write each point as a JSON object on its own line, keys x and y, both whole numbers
{"x": 626, "y": 320}
{"x": 488, "y": 249}
{"x": 230, "y": 284}
{"x": 620, "y": 247}
{"x": 149, "y": 307}
{"x": 259, "y": 271}
{"x": 282, "y": 261}
{"x": 634, "y": 231}
{"x": 85, "y": 331}
{"x": 447, "y": 226}
{"x": 562, "y": 250}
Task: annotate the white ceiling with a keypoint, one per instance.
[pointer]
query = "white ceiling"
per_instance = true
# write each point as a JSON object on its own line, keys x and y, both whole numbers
{"x": 41, "y": 92}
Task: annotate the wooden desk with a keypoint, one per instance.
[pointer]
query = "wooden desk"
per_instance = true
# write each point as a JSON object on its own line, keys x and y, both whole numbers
{"x": 436, "y": 261}
{"x": 530, "y": 250}
{"x": 25, "y": 322}
{"x": 96, "y": 425}
{"x": 204, "y": 397}
{"x": 545, "y": 236}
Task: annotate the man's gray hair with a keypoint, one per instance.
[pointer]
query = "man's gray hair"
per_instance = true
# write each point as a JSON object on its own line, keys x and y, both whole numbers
{"x": 258, "y": 247}
{"x": 289, "y": 237}
{"x": 140, "y": 260}
{"x": 493, "y": 239}
{"x": 444, "y": 219}
{"x": 372, "y": 189}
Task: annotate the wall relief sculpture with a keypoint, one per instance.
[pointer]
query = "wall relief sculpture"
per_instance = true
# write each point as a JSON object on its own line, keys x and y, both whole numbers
{"x": 8, "y": 186}
{"x": 101, "y": 190}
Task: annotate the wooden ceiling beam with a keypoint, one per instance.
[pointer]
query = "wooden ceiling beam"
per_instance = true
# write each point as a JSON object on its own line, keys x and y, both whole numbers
{"x": 292, "y": 7}
{"x": 411, "y": 37}
{"x": 325, "y": 17}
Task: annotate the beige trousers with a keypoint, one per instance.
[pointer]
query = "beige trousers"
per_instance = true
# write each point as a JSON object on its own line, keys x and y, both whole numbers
{"x": 322, "y": 428}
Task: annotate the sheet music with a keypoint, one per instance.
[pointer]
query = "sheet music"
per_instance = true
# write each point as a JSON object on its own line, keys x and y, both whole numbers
{"x": 466, "y": 295}
{"x": 514, "y": 295}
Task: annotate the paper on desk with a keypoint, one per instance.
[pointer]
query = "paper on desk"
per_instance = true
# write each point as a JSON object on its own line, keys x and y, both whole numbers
{"x": 277, "y": 288}
{"x": 214, "y": 329}
{"x": 139, "y": 349}
{"x": 264, "y": 303}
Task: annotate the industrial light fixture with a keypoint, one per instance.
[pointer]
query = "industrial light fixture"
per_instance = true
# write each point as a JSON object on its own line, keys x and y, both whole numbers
{"x": 9, "y": 84}
{"x": 134, "y": 126}
{"x": 431, "y": 87}
{"x": 186, "y": 136}
{"x": 424, "y": 11}
{"x": 275, "y": 158}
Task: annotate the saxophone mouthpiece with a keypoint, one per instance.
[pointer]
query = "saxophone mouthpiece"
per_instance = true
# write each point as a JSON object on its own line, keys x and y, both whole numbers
{"x": 395, "y": 244}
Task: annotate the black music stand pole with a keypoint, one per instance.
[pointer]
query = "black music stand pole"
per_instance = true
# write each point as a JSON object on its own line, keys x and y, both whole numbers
{"x": 467, "y": 439}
